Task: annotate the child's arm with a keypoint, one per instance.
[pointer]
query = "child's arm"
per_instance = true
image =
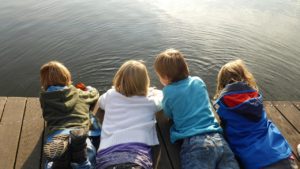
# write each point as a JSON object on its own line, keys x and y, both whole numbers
{"x": 88, "y": 93}
{"x": 98, "y": 113}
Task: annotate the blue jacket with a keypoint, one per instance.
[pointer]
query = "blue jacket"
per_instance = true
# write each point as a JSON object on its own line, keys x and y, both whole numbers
{"x": 187, "y": 103}
{"x": 253, "y": 138}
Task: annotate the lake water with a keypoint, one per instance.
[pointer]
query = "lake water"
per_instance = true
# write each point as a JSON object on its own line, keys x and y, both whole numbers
{"x": 94, "y": 37}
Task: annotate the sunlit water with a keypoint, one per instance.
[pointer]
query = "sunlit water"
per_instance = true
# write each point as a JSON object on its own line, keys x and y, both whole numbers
{"x": 94, "y": 37}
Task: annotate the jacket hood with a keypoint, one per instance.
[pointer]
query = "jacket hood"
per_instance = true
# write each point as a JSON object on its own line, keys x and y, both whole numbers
{"x": 242, "y": 99}
{"x": 62, "y": 100}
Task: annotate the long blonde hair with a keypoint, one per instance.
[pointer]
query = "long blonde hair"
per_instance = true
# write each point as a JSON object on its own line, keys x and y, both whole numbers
{"x": 132, "y": 79}
{"x": 54, "y": 73}
{"x": 234, "y": 71}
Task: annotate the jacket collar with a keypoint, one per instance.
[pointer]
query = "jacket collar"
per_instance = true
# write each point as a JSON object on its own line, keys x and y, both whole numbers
{"x": 236, "y": 87}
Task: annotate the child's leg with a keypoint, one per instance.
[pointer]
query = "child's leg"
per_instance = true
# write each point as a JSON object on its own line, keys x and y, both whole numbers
{"x": 198, "y": 152}
{"x": 205, "y": 151}
{"x": 227, "y": 158}
{"x": 288, "y": 163}
{"x": 83, "y": 154}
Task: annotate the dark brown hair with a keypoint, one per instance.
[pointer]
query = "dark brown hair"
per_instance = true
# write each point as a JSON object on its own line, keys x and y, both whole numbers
{"x": 171, "y": 65}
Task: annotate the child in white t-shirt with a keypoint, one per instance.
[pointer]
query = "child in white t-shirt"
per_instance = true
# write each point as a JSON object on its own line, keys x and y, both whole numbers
{"x": 128, "y": 129}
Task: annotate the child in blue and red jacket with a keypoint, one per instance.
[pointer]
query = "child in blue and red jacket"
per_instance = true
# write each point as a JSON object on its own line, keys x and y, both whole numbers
{"x": 254, "y": 139}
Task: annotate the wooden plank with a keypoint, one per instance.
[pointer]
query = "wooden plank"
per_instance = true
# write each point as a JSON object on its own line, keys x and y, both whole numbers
{"x": 173, "y": 150}
{"x": 297, "y": 104}
{"x": 2, "y": 104}
{"x": 287, "y": 130}
{"x": 160, "y": 155}
{"x": 30, "y": 146}
{"x": 10, "y": 131}
{"x": 289, "y": 111}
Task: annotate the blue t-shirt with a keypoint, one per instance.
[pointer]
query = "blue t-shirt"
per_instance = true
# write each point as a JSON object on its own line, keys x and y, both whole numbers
{"x": 188, "y": 104}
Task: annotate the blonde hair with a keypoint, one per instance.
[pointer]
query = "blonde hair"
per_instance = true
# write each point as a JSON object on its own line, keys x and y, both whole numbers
{"x": 132, "y": 79}
{"x": 234, "y": 71}
{"x": 171, "y": 64}
{"x": 54, "y": 73}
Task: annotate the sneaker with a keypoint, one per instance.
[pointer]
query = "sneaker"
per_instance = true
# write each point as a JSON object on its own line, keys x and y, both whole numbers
{"x": 78, "y": 145}
{"x": 55, "y": 149}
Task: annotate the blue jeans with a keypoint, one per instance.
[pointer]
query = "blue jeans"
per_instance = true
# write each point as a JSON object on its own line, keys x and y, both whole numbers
{"x": 91, "y": 152}
{"x": 207, "y": 151}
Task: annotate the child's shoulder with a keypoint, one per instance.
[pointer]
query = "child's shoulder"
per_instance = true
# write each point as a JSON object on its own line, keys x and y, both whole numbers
{"x": 196, "y": 79}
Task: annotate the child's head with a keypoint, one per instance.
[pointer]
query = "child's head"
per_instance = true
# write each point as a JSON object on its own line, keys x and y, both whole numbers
{"x": 234, "y": 71}
{"x": 132, "y": 79}
{"x": 171, "y": 66}
{"x": 54, "y": 73}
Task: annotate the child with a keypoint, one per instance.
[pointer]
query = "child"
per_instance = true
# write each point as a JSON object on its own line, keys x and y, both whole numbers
{"x": 66, "y": 111}
{"x": 128, "y": 128}
{"x": 254, "y": 139}
{"x": 187, "y": 103}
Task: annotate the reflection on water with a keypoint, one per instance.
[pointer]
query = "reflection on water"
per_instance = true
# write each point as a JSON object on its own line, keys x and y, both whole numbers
{"x": 93, "y": 38}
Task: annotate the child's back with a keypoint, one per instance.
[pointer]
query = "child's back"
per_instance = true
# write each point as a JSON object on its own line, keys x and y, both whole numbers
{"x": 187, "y": 103}
{"x": 127, "y": 119}
{"x": 128, "y": 129}
{"x": 66, "y": 111}
{"x": 67, "y": 108}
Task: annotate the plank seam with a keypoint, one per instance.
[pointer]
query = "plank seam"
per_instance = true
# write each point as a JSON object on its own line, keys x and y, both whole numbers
{"x": 165, "y": 145}
{"x": 295, "y": 106}
{"x": 18, "y": 146}
{"x": 3, "y": 109}
{"x": 285, "y": 118}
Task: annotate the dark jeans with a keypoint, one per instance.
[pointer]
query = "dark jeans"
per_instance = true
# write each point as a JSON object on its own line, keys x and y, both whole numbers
{"x": 207, "y": 151}
{"x": 125, "y": 166}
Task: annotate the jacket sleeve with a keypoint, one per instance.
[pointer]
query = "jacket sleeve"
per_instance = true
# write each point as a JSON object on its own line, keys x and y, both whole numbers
{"x": 90, "y": 96}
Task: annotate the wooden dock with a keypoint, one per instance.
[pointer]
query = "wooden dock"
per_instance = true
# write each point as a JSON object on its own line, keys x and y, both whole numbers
{"x": 22, "y": 133}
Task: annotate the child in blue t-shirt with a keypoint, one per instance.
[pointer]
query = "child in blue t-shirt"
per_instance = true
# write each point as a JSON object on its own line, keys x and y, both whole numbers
{"x": 187, "y": 103}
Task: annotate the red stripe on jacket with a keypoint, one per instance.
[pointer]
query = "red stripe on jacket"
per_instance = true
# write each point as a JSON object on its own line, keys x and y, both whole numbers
{"x": 236, "y": 99}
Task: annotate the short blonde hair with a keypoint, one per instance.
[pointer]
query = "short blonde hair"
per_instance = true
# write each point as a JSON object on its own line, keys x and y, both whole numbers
{"x": 234, "y": 71}
{"x": 171, "y": 64}
{"x": 132, "y": 79}
{"x": 54, "y": 73}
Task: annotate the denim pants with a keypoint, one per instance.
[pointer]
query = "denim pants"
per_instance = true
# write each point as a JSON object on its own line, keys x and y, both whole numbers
{"x": 91, "y": 152}
{"x": 207, "y": 151}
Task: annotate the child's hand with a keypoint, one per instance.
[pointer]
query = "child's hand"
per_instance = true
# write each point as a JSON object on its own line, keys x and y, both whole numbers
{"x": 156, "y": 92}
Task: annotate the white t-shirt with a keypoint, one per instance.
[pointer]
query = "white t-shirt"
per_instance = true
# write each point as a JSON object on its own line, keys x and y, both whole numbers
{"x": 129, "y": 119}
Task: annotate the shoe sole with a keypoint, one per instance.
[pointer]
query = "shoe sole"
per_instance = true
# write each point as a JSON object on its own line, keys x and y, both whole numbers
{"x": 54, "y": 149}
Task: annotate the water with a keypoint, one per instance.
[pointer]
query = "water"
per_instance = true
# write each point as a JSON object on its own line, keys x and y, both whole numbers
{"x": 94, "y": 37}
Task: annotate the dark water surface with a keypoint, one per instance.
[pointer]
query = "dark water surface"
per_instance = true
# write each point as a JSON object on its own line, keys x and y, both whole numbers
{"x": 94, "y": 37}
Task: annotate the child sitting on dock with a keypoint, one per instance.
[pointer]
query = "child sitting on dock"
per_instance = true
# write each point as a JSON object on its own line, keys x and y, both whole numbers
{"x": 66, "y": 111}
{"x": 255, "y": 140}
{"x": 187, "y": 103}
{"x": 128, "y": 129}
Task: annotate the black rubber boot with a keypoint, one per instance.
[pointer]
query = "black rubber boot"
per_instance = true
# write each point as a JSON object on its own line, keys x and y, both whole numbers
{"x": 78, "y": 145}
{"x": 63, "y": 162}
